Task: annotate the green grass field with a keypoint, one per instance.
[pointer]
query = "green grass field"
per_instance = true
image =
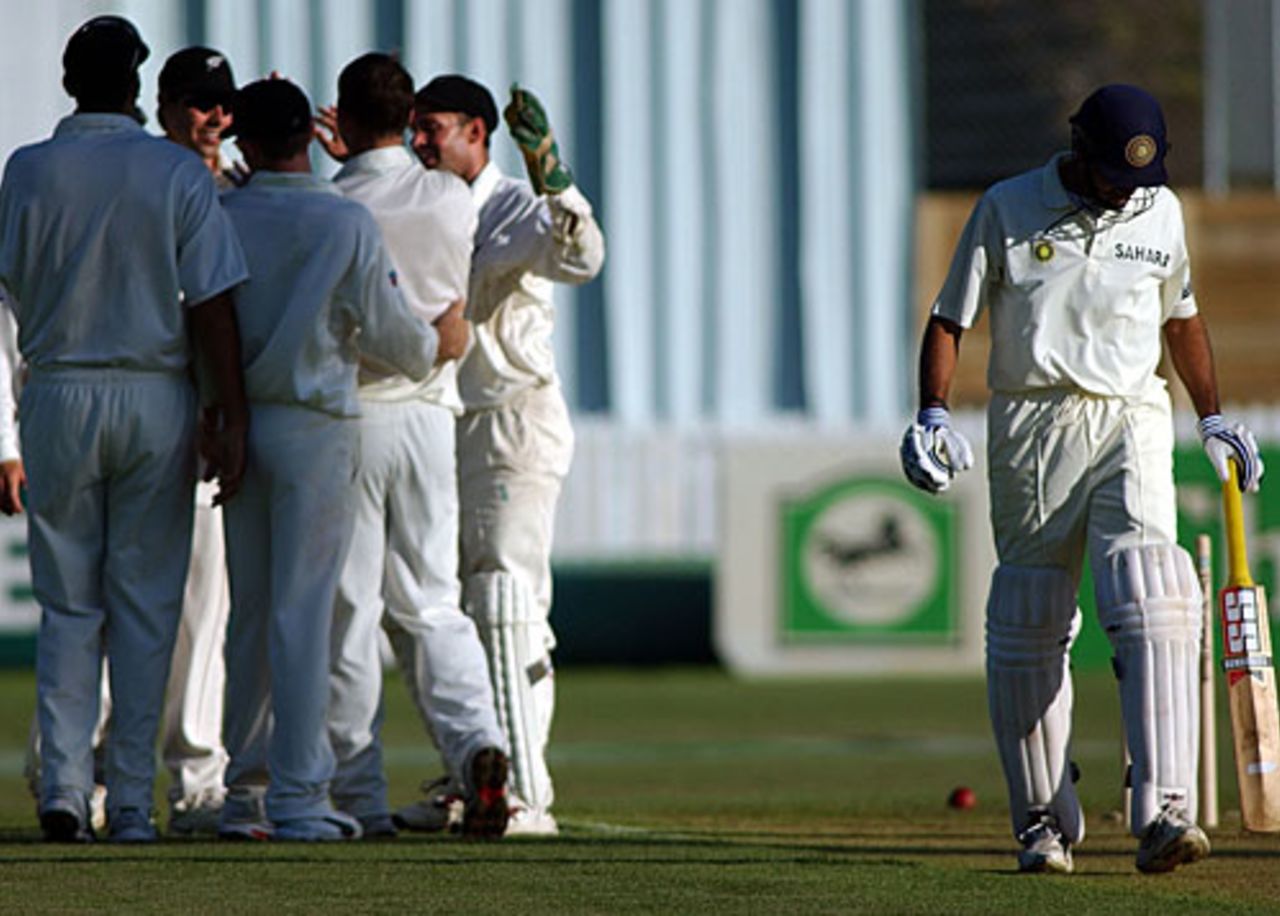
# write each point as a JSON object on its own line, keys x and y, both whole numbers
{"x": 685, "y": 791}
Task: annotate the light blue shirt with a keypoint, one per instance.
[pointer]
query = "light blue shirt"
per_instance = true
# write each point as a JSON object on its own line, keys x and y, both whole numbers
{"x": 322, "y": 293}
{"x": 104, "y": 232}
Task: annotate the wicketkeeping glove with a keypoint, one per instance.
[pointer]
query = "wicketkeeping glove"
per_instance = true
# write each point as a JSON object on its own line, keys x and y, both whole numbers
{"x": 932, "y": 452}
{"x": 1225, "y": 443}
{"x": 528, "y": 124}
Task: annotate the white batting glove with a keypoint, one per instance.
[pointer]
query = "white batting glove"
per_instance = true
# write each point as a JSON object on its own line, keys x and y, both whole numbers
{"x": 1224, "y": 443}
{"x": 932, "y": 452}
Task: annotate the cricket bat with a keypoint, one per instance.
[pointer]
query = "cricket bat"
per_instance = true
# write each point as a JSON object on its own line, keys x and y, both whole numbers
{"x": 1250, "y": 677}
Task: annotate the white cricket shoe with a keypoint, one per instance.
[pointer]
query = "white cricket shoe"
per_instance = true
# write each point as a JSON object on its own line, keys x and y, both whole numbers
{"x": 1172, "y": 839}
{"x": 442, "y": 809}
{"x": 1044, "y": 850}
{"x": 529, "y": 821}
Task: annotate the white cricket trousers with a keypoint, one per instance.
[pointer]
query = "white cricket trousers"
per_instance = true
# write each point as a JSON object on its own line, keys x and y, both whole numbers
{"x": 192, "y": 726}
{"x": 286, "y": 534}
{"x": 403, "y": 568}
{"x": 512, "y": 461}
{"x": 110, "y": 458}
{"x": 1071, "y": 472}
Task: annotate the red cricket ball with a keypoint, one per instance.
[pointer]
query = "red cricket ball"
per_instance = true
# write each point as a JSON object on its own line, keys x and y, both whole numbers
{"x": 962, "y": 798}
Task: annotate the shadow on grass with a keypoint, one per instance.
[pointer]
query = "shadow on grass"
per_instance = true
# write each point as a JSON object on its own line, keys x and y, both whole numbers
{"x": 626, "y": 846}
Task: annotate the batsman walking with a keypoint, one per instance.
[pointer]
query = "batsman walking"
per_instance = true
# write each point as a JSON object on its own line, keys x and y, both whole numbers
{"x": 1082, "y": 264}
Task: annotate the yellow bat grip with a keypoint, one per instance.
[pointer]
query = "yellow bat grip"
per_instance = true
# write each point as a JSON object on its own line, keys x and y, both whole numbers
{"x": 1233, "y": 511}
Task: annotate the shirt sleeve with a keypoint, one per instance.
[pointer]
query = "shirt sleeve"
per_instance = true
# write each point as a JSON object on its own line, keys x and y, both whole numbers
{"x": 390, "y": 332}
{"x": 210, "y": 260}
{"x": 976, "y": 259}
{"x": 1177, "y": 298}
{"x": 556, "y": 237}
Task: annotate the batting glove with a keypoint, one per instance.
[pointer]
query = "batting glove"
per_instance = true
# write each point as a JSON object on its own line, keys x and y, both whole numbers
{"x": 1225, "y": 443}
{"x": 532, "y": 131}
{"x": 932, "y": 452}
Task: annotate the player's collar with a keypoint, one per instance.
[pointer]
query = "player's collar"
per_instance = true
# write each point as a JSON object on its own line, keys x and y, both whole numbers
{"x": 1052, "y": 193}
{"x": 304, "y": 181}
{"x": 482, "y": 188}
{"x": 94, "y": 122}
{"x": 379, "y": 159}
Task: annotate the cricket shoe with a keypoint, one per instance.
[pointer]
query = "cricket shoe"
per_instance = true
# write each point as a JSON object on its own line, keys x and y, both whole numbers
{"x": 1172, "y": 839}
{"x": 485, "y": 814}
{"x": 199, "y": 816}
{"x": 442, "y": 809}
{"x": 244, "y": 817}
{"x": 324, "y": 828}
{"x": 131, "y": 825}
{"x": 62, "y": 825}
{"x": 377, "y": 827}
{"x": 1044, "y": 851}
{"x": 526, "y": 820}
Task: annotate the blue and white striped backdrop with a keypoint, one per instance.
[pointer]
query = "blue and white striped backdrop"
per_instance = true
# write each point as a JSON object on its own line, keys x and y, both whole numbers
{"x": 752, "y": 162}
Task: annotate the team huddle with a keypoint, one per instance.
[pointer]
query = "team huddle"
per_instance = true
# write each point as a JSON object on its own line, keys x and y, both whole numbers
{"x": 362, "y": 369}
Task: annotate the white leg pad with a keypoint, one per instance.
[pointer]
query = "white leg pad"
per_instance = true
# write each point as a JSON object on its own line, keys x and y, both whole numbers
{"x": 1149, "y": 604}
{"x": 1032, "y": 620}
{"x": 513, "y": 630}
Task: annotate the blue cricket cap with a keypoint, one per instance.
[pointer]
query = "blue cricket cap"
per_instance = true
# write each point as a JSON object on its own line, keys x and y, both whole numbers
{"x": 1123, "y": 131}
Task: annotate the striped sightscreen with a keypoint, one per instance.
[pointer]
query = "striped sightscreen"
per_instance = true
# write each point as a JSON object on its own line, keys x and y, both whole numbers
{"x": 752, "y": 162}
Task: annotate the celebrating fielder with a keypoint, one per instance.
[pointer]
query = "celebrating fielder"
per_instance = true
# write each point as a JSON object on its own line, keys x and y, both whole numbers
{"x": 323, "y": 293}
{"x": 514, "y": 441}
{"x": 1082, "y": 264}
{"x": 403, "y": 562}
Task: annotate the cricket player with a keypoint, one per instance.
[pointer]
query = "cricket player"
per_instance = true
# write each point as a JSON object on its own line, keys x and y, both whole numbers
{"x": 115, "y": 256}
{"x": 323, "y": 292}
{"x": 194, "y": 108}
{"x": 514, "y": 439}
{"x": 1082, "y": 264}
{"x": 403, "y": 561}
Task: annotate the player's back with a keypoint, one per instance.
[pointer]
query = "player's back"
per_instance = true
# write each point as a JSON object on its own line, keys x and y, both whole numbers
{"x": 427, "y": 220}
{"x": 318, "y": 276}
{"x": 95, "y": 221}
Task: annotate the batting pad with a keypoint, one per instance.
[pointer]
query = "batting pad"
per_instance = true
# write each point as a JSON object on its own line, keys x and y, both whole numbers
{"x": 1149, "y": 604}
{"x": 1032, "y": 621}
{"x": 512, "y": 630}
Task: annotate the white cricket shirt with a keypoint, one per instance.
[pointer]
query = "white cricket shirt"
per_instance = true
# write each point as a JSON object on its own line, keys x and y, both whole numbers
{"x": 321, "y": 293}
{"x": 524, "y": 243}
{"x": 104, "y": 231}
{"x": 1077, "y": 298}
{"x": 428, "y": 223}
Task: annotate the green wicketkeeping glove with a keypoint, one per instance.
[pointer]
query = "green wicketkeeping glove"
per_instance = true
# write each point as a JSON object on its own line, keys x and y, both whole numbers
{"x": 532, "y": 132}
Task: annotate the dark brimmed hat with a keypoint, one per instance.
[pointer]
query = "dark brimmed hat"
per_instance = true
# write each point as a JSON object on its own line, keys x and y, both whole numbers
{"x": 270, "y": 109}
{"x": 455, "y": 92}
{"x": 199, "y": 74}
{"x": 106, "y": 49}
{"x": 1123, "y": 133}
